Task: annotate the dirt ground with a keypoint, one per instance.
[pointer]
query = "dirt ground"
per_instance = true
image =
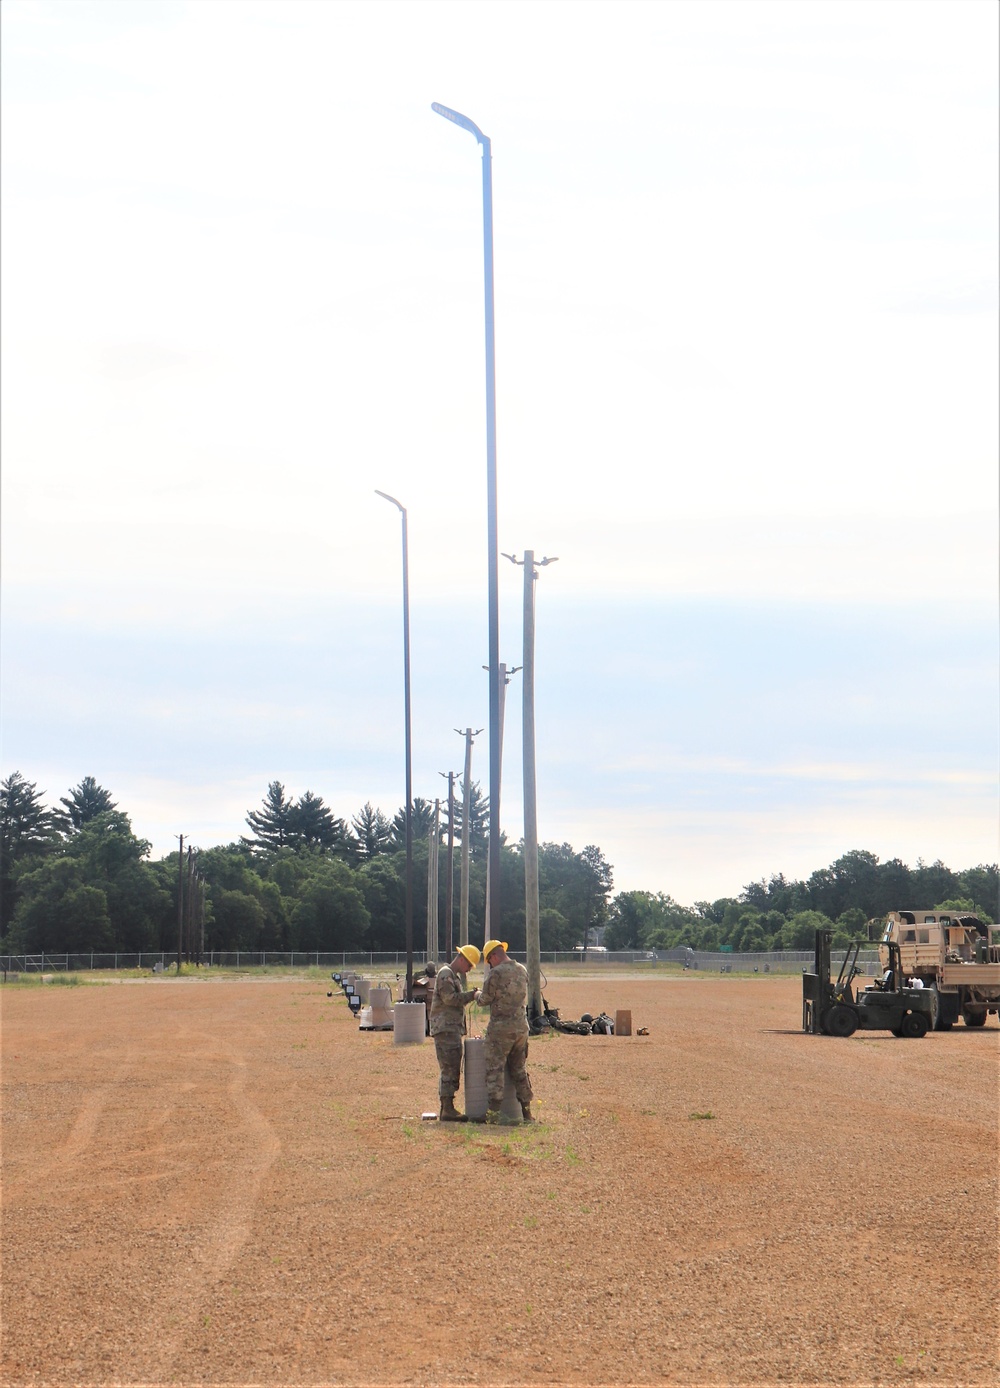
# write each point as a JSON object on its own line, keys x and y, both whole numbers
{"x": 225, "y": 1182}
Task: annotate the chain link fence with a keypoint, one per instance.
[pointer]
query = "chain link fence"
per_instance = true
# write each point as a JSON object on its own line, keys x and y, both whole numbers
{"x": 593, "y": 961}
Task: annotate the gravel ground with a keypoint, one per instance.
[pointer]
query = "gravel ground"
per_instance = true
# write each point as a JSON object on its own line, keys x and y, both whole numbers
{"x": 225, "y": 1182}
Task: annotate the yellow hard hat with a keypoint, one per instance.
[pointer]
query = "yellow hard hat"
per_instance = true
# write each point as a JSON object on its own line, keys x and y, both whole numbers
{"x": 491, "y": 945}
{"x": 471, "y": 953}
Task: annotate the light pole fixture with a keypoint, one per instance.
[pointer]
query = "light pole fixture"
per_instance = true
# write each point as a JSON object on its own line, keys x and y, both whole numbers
{"x": 408, "y": 811}
{"x": 491, "y": 512}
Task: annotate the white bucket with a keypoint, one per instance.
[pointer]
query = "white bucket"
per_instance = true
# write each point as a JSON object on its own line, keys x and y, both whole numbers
{"x": 409, "y": 1023}
{"x": 379, "y": 1013}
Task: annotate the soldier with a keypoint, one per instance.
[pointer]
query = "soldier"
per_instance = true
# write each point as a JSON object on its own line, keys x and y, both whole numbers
{"x": 505, "y": 992}
{"x": 447, "y": 1024}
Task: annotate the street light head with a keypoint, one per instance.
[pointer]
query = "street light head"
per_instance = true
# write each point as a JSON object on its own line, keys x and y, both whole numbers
{"x": 512, "y": 557}
{"x": 554, "y": 559}
{"x": 387, "y": 497}
{"x": 458, "y": 119}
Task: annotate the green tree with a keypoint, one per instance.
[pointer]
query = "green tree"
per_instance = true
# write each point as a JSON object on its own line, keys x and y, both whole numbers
{"x": 421, "y": 819}
{"x": 59, "y": 912}
{"x": 799, "y": 932}
{"x": 112, "y": 858}
{"x": 577, "y": 885}
{"x": 271, "y": 824}
{"x": 238, "y": 921}
{"x": 982, "y": 884}
{"x": 330, "y": 914}
{"x": 382, "y": 883}
{"x": 312, "y": 824}
{"x": 372, "y": 833}
{"x": 28, "y": 831}
{"x": 84, "y": 803}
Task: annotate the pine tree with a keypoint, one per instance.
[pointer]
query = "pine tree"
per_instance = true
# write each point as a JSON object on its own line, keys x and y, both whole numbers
{"x": 372, "y": 832}
{"x": 272, "y": 822}
{"x": 84, "y": 803}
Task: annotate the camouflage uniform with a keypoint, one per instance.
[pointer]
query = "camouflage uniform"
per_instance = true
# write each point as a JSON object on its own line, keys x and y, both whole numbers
{"x": 505, "y": 992}
{"x": 448, "y": 1026}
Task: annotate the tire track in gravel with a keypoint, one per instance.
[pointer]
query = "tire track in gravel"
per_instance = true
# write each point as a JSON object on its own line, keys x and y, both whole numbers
{"x": 225, "y": 1235}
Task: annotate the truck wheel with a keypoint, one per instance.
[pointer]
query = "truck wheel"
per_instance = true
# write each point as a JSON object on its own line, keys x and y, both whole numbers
{"x": 974, "y": 1019}
{"x": 914, "y": 1025}
{"x": 840, "y": 1020}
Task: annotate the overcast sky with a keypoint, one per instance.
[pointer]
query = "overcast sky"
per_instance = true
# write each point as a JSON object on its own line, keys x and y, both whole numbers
{"x": 746, "y": 328}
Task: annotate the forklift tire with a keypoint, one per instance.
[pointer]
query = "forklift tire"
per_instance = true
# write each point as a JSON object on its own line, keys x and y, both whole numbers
{"x": 914, "y": 1025}
{"x": 840, "y": 1020}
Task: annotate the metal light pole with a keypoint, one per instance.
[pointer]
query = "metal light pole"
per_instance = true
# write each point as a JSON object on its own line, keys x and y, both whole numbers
{"x": 531, "y": 914}
{"x": 408, "y": 812}
{"x": 491, "y": 508}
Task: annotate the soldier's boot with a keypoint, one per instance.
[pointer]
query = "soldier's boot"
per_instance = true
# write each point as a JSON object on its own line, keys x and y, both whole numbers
{"x": 526, "y": 1112}
{"x": 449, "y": 1113}
{"x": 493, "y": 1112}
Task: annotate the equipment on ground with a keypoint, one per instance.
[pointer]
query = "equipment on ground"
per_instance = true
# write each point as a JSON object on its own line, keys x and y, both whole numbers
{"x": 835, "y": 1010}
{"x": 953, "y": 953}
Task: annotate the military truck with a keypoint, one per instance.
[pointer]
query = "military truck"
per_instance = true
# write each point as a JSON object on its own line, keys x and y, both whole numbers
{"x": 953, "y": 953}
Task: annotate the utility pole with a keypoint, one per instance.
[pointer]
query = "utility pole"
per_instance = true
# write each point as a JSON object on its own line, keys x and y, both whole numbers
{"x": 188, "y": 904}
{"x": 180, "y": 901}
{"x": 493, "y": 862}
{"x": 433, "y": 923}
{"x": 449, "y": 891}
{"x": 463, "y": 904}
{"x": 531, "y": 921}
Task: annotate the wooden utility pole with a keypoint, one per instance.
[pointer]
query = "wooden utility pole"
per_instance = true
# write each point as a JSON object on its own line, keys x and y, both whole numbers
{"x": 189, "y": 908}
{"x": 449, "y": 891}
{"x": 494, "y": 858}
{"x": 180, "y": 901}
{"x": 531, "y": 915}
{"x": 463, "y": 894}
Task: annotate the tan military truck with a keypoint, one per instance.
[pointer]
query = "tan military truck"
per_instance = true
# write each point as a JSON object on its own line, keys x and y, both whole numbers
{"x": 952, "y": 952}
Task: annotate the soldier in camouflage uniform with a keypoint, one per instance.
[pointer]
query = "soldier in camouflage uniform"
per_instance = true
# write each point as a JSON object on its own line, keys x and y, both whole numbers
{"x": 505, "y": 992}
{"x": 448, "y": 1025}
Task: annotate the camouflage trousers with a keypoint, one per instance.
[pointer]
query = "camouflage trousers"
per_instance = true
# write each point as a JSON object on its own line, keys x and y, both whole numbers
{"x": 449, "y": 1057}
{"x": 506, "y": 1047}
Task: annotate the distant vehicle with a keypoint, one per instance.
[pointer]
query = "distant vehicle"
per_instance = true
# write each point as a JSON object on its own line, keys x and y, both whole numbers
{"x": 953, "y": 953}
{"x": 590, "y": 949}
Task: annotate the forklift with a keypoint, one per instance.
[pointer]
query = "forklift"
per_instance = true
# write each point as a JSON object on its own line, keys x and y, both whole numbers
{"x": 834, "y": 1009}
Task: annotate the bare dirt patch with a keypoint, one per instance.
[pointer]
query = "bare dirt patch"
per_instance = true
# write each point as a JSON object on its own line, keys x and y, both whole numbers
{"x": 225, "y": 1182}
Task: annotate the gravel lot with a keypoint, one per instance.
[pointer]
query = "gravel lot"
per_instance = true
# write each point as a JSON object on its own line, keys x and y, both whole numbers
{"x": 223, "y": 1181}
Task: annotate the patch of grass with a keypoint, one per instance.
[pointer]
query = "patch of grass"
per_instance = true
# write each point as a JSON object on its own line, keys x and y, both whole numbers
{"x": 707, "y": 1114}
{"x": 572, "y": 1157}
{"x": 408, "y": 1132}
{"x": 530, "y": 1222}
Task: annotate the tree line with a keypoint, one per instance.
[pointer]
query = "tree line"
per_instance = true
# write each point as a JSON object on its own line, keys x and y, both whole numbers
{"x": 74, "y": 878}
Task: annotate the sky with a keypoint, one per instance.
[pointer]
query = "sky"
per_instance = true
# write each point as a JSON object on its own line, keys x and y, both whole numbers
{"x": 746, "y": 374}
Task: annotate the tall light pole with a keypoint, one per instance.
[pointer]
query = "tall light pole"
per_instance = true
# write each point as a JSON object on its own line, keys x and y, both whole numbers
{"x": 491, "y": 512}
{"x": 531, "y": 913}
{"x": 408, "y": 812}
